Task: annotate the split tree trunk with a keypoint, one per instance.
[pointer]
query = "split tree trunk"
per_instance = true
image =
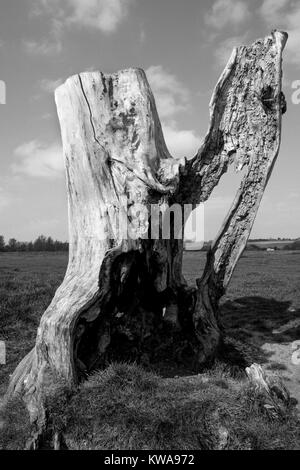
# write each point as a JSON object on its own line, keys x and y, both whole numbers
{"x": 125, "y": 297}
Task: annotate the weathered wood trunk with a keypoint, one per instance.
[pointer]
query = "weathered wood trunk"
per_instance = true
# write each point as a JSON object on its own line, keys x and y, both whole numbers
{"x": 123, "y": 295}
{"x": 274, "y": 395}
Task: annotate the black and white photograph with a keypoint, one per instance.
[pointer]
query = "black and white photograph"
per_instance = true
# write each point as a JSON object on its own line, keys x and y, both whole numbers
{"x": 149, "y": 228}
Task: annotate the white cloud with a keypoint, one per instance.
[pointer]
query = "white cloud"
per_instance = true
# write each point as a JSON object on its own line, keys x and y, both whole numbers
{"x": 142, "y": 35}
{"x": 272, "y": 11}
{"x": 224, "y": 50}
{"x": 285, "y": 14}
{"x": 49, "y": 85}
{"x": 180, "y": 143}
{"x": 293, "y": 195}
{"x": 46, "y": 116}
{"x": 46, "y": 47}
{"x": 38, "y": 159}
{"x": 227, "y": 12}
{"x": 293, "y": 45}
{"x": 105, "y": 15}
{"x": 292, "y": 54}
{"x": 171, "y": 96}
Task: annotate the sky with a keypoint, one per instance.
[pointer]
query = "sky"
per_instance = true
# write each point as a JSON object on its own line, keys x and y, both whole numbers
{"x": 182, "y": 46}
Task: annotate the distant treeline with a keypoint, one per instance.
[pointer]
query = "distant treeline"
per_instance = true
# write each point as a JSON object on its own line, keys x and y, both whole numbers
{"x": 42, "y": 243}
{"x": 270, "y": 239}
{"x": 295, "y": 246}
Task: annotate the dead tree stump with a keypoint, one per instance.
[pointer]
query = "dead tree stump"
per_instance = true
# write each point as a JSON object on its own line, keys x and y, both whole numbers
{"x": 123, "y": 296}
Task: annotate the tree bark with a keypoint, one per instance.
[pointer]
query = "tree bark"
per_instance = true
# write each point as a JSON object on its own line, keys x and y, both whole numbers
{"x": 273, "y": 393}
{"x": 124, "y": 298}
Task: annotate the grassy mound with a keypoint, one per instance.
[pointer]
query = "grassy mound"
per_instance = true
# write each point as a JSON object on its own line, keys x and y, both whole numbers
{"x": 125, "y": 407}
{"x": 14, "y": 425}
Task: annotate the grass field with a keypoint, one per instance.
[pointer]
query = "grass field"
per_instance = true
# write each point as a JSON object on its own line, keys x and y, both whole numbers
{"x": 27, "y": 284}
{"x": 260, "y": 314}
{"x": 260, "y": 311}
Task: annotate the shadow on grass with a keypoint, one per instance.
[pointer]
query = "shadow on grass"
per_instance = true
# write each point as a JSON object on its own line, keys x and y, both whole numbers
{"x": 250, "y": 322}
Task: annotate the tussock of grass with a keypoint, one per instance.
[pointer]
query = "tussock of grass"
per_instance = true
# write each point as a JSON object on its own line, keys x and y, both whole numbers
{"x": 125, "y": 407}
{"x": 14, "y": 425}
